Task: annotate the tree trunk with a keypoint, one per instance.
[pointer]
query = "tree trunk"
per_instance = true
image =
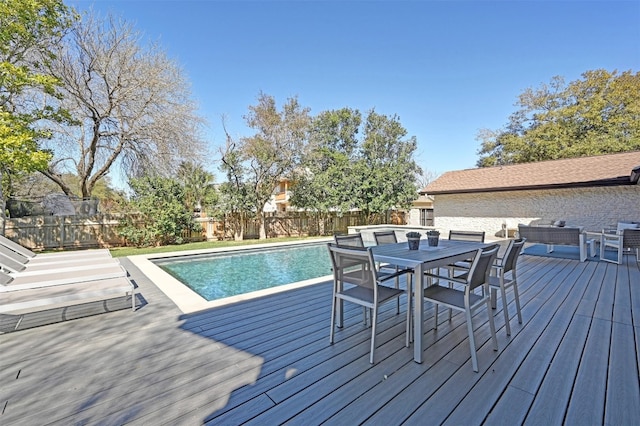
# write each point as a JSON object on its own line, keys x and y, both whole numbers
{"x": 263, "y": 232}
{"x": 3, "y": 207}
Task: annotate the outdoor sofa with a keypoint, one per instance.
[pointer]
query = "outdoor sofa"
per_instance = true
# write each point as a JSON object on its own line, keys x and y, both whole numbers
{"x": 555, "y": 235}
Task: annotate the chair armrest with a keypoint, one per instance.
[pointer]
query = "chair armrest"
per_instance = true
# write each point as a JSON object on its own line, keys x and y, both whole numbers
{"x": 611, "y": 238}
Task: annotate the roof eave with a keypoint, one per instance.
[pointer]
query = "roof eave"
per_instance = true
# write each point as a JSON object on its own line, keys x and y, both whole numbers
{"x": 623, "y": 181}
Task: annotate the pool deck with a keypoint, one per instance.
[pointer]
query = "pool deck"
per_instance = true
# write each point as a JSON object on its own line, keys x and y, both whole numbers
{"x": 574, "y": 360}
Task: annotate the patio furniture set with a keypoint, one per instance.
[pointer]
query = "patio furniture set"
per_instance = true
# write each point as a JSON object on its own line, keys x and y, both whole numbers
{"x": 464, "y": 261}
{"x": 360, "y": 273}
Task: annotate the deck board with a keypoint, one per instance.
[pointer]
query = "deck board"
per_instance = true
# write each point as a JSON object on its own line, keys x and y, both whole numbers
{"x": 575, "y": 359}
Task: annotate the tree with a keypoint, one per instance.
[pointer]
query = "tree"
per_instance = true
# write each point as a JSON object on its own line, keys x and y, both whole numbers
{"x": 273, "y": 153}
{"x": 387, "y": 166}
{"x": 28, "y": 31}
{"x": 235, "y": 193}
{"x": 325, "y": 182}
{"x": 34, "y": 186}
{"x": 425, "y": 178}
{"x": 198, "y": 184}
{"x": 373, "y": 174}
{"x": 598, "y": 114}
{"x": 161, "y": 203}
{"x": 131, "y": 106}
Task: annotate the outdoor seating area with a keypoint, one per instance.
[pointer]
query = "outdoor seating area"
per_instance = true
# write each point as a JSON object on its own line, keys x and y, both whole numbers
{"x": 268, "y": 361}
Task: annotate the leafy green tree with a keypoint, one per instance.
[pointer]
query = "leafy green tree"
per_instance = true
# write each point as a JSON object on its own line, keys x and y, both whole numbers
{"x": 326, "y": 182}
{"x": 28, "y": 31}
{"x": 597, "y": 114}
{"x": 164, "y": 216}
{"x": 387, "y": 166}
{"x": 342, "y": 172}
{"x": 199, "y": 186}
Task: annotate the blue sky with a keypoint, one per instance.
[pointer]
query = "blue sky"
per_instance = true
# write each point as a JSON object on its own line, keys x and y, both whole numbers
{"x": 446, "y": 68}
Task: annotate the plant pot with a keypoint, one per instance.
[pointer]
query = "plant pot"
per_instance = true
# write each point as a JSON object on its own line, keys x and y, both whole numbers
{"x": 433, "y": 240}
{"x": 414, "y": 243}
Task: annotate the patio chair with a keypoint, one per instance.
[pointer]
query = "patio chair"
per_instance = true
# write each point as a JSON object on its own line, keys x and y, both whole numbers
{"x": 59, "y": 277}
{"x": 475, "y": 236}
{"x": 467, "y": 300}
{"x": 502, "y": 267}
{"x": 356, "y": 280}
{"x": 625, "y": 240}
{"x": 18, "y": 264}
{"x": 389, "y": 237}
{"x": 350, "y": 240}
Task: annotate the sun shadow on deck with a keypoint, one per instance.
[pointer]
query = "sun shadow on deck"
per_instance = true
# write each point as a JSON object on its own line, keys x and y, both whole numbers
{"x": 285, "y": 369}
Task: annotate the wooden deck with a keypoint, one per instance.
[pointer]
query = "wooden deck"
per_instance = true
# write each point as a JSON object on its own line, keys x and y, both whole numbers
{"x": 574, "y": 360}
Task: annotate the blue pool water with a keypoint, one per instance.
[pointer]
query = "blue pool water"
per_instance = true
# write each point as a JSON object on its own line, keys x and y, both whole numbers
{"x": 221, "y": 275}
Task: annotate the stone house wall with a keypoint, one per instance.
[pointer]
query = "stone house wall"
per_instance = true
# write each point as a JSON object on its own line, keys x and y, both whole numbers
{"x": 592, "y": 208}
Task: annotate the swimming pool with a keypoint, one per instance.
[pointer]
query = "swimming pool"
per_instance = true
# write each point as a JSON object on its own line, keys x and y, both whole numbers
{"x": 221, "y": 275}
{"x": 188, "y": 300}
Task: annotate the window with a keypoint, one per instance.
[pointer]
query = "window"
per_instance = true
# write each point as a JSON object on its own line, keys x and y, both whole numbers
{"x": 426, "y": 217}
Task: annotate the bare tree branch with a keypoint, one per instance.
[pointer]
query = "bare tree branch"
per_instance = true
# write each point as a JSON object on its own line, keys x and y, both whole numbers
{"x": 131, "y": 104}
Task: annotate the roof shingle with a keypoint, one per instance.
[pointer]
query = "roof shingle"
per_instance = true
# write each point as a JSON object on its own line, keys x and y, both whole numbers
{"x": 601, "y": 170}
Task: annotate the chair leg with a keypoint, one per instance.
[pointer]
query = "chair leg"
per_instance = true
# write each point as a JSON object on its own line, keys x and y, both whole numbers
{"x": 398, "y": 299}
{"x": 516, "y": 296}
{"x": 409, "y": 330}
{"x": 472, "y": 340}
{"x": 374, "y": 321}
{"x": 333, "y": 318}
{"x": 492, "y": 326}
{"x": 505, "y": 308}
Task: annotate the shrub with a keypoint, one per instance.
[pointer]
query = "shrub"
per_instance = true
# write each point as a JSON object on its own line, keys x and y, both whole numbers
{"x": 163, "y": 214}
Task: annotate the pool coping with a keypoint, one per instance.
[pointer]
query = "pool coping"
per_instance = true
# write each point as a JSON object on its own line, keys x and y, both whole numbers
{"x": 188, "y": 301}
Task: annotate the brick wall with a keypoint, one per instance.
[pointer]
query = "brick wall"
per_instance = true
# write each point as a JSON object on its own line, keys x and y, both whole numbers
{"x": 592, "y": 208}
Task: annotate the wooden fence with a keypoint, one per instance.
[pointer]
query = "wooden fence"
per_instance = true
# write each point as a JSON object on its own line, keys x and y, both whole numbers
{"x": 64, "y": 232}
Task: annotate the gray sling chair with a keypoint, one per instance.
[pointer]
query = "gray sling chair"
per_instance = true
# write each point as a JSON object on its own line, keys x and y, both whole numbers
{"x": 355, "y": 240}
{"x": 356, "y": 280}
{"x": 466, "y": 300}
{"x": 475, "y": 236}
{"x": 506, "y": 278}
{"x": 389, "y": 237}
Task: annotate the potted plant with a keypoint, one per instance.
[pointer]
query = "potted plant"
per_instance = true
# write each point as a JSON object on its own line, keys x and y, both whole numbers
{"x": 413, "y": 239}
{"x": 432, "y": 237}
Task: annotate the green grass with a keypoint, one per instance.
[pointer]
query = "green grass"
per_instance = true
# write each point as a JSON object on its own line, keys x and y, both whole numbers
{"x": 132, "y": 251}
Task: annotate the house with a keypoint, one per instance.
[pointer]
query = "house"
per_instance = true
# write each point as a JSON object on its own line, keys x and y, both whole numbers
{"x": 594, "y": 192}
{"x": 279, "y": 201}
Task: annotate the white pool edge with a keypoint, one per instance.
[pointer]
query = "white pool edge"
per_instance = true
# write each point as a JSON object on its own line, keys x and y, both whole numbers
{"x": 187, "y": 300}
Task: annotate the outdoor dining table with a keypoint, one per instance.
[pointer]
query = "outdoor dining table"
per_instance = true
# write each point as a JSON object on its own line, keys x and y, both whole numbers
{"x": 421, "y": 260}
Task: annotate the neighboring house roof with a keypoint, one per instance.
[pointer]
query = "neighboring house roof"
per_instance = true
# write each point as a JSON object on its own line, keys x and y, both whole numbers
{"x": 601, "y": 170}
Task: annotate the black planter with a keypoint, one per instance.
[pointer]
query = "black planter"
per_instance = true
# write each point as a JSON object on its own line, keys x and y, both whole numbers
{"x": 433, "y": 240}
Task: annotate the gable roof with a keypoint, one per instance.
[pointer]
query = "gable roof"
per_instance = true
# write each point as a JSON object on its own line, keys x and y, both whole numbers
{"x": 601, "y": 170}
